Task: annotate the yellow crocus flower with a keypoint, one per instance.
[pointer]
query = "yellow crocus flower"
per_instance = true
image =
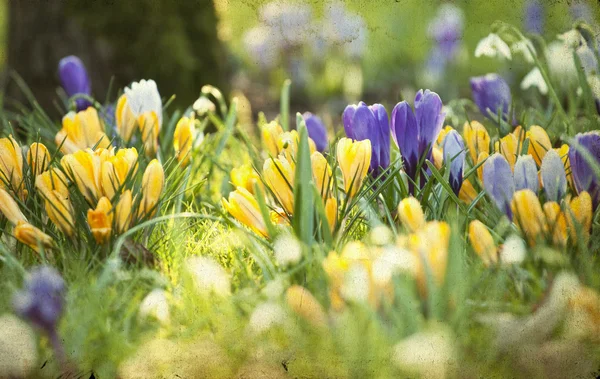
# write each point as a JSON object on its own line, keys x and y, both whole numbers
{"x": 429, "y": 245}
{"x": 481, "y": 159}
{"x": 123, "y": 215}
{"x": 322, "y": 174}
{"x": 125, "y": 118}
{"x": 563, "y": 153}
{"x": 270, "y": 136}
{"x": 557, "y": 223}
{"x": 483, "y": 243}
{"x": 539, "y": 143}
{"x": 32, "y": 237}
{"x": 410, "y": 214}
{"x": 305, "y": 305}
{"x": 579, "y": 215}
{"x": 60, "y": 211}
{"x": 331, "y": 212}
{"x": 52, "y": 180}
{"x": 243, "y": 206}
{"x": 83, "y": 168}
{"x": 10, "y": 208}
{"x": 100, "y": 220}
{"x": 287, "y": 144}
{"x": 38, "y": 158}
{"x": 116, "y": 169}
{"x": 149, "y": 127}
{"x": 508, "y": 146}
{"x": 246, "y": 177}
{"x": 528, "y": 214}
{"x": 438, "y": 157}
{"x": 467, "y": 192}
{"x": 354, "y": 158}
{"x": 11, "y": 164}
{"x": 477, "y": 139}
{"x": 183, "y": 139}
{"x": 81, "y": 130}
{"x": 153, "y": 183}
{"x": 279, "y": 177}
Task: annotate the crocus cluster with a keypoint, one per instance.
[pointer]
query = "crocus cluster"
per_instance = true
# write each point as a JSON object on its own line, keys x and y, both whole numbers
{"x": 514, "y": 181}
{"x": 279, "y": 173}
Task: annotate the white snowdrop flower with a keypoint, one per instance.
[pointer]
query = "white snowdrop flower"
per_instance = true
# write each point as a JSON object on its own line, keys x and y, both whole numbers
{"x": 356, "y": 285}
{"x": 525, "y": 48}
{"x": 535, "y": 79}
{"x": 513, "y": 251}
{"x": 156, "y": 305}
{"x": 381, "y": 235}
{"x": 392, "y": 261}
{"x": 143, "y": 97}
{"x": 203, "y": 105}
{"x": 208, "y": 276}
{"x": 288, "y": 250}
{"x": 493, "y": 46}
{"x": 265, "y": 316}
{"x": 18, "y": 348}
{"x": 429, "y": 354}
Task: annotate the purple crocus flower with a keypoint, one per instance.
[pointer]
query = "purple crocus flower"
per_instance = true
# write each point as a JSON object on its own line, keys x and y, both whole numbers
{"x": 454, "y": 157}
{"x": 415, "y": 132}
{"x": 554, "y": 177}
{"x": 41, "y": 300}
{"x": 75, "y": 80}
{"x": 525, "y": 175}
{"x": 498, "y": 183}
{"x": 363, "y": 122}
{"x": 584, "y": 177}
{"x": 316, "y": 130}
{"x": 491, "y": 93}
{"x": 534, "y": 17}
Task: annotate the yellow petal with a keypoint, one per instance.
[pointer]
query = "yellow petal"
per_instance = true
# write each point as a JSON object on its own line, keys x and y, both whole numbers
{"x": 539, "y": 143}
{"x": 243, "y": 206}
{"x": 38, "y": 158}
{"x": 482, "y": 242}
{"x": 10, "y": 208}
{"x": 183, "y": 138}
{"x": 528, "y": 214}
{"x": 153, "y": 183}
{"x": 354, "y": 158}
{"x": 32, "y": 237}
{"x": 100, "y": 220}
{"x": 410, "y": 214}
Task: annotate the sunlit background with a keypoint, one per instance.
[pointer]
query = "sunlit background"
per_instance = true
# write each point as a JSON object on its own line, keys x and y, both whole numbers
{"x": 334, "y": 52}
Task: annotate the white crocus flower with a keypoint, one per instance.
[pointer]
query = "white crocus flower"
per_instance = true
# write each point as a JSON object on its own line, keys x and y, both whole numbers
{"x": 493, "y": 46}
{"x": 535, "y": 79}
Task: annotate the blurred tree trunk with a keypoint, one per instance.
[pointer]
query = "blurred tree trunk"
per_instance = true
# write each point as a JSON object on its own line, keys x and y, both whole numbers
{"x": 172, "y": 42}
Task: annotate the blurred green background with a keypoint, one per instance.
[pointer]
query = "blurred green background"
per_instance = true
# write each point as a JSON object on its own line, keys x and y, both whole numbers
{"x": 186, "y": 44}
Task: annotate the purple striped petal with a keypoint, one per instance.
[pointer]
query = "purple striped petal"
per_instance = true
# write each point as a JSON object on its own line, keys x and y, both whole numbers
{"x": 454, "y": 158}
{"x": 498, "y": 183}
{"x": 525, "y": 175}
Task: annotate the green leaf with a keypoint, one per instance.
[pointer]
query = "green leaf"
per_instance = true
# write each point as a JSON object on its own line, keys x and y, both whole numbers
{"x": 303, "y": 219}
{"x": 285, "y": 105}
